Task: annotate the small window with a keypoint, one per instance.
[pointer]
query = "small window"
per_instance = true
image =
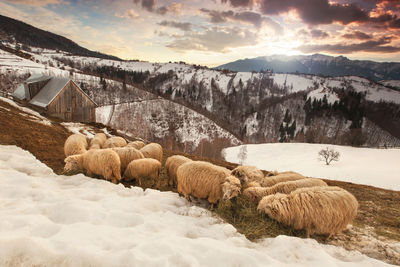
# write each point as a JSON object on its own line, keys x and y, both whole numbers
{"x": 68, "y": 109}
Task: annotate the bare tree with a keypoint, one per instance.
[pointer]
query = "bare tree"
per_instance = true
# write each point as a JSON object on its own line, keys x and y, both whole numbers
{"x": 242, "y": 156}
{"x": 328, "y": 155}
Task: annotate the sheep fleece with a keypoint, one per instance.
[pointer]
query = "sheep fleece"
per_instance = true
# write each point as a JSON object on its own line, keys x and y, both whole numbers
{"x": 75, "y": 144}
{"x": 171, "y": 166}
{"x": 98, "y": 141}
{"x": 280, "y": 177}
{"x": 248, "y": 174}
{"x": 152, "y": 150}
{"x": 114, "y": 141}
{"x": 142, "y": 168}
{"x": 257, "y": 193}
{"x": 201, "y": 179}
{"x": 127, "y": 154}
{"x": 321, "y": 210}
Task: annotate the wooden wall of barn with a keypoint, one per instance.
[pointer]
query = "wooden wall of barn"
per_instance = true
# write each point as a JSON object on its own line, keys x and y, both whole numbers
{"x": 72, "y": 104}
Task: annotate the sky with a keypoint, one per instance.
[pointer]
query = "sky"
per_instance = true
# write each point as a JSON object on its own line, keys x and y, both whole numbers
{"x": 214, "y": 32}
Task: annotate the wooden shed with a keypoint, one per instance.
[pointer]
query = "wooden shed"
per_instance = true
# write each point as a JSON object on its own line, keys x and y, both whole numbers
{"x": 58, "y": 97}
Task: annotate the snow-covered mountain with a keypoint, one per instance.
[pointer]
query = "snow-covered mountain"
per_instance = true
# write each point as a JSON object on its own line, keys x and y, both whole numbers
{"x": 318, "y": 64}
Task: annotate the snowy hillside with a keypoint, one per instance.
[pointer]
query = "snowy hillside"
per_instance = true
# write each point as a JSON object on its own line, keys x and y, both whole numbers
{"x": 51, "y": 220}
{"x": 171, "y": 124}
{"x": 376, "y": 167}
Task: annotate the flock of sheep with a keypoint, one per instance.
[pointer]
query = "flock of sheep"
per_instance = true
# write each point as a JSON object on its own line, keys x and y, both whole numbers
{"x": 288, "y": 197}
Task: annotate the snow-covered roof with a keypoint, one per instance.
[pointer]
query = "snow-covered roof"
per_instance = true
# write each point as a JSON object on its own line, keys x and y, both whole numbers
{"x": 49, "y": 91}
{"x": 19, "y": 93}
{"x": 37, "y": 78}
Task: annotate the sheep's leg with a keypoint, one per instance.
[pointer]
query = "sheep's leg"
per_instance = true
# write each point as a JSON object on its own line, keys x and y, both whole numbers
{"x": 114, "y": 180}
{"x": 140, "y": 181}
{"x": 308, "y": 233}
{"x": 89, "y": 173}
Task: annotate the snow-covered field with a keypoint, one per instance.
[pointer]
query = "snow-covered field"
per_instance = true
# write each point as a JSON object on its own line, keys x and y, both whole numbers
{"x": 376, "y": 167}
{"x": 51, "y": 220}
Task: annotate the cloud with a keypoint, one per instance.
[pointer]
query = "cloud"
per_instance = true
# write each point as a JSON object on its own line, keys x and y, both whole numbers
{"x": 184, "y": 26}
{"x": 318, "y": 34}
{"x": 376, "y": 46}
{"x": 239, "y": 3}
{"x": 357, "y": 35}
{"x": 215, "y": 39}
{"x": 37, "y": 2}
{"x": 253, "y": 18}
{"x": 129, "y": 14}
{"x": 150, "y": 5}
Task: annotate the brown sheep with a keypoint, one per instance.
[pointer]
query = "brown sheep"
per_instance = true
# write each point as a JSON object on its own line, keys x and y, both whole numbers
{"x": 257, "y": 193}
{"x": 248, "y": 174}
{"x": 207, "y": 181}
{"x": 136, "y": 144}
{"x": 126, "y": 155}
{"x": 104, "y": 162}
{"x": 75, "y": 144}
{"x": 321, "y": 210}
{"x": 98, "y": 141}
{"x": 280, "y": 177}
{"x": 114, "y": 141}
{"x": 171, "y": 166}
{"x": 152, "y": 150}
{"x": 139, "y": 168}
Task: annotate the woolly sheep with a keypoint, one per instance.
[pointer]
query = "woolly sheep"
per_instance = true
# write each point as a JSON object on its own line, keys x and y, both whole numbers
{"x": 104, "y": 162}
{"x": 207, "y": 181}
{"x": 320, "y": 210}
{"x": 126, "y": 155}
{"x": 136, "y": 144}
{"x": 248, "y": 174}
{"x": 98, "y": 141}
{"x": 171, "y": 166}
{"x": 152, "y": 150}
{"x": 114, "y": 141}
{"x": 75, "y": 144}
{"x": 257, "y": 193}
{"x": 143, "y": 168}
{"x": 280, "y": 177}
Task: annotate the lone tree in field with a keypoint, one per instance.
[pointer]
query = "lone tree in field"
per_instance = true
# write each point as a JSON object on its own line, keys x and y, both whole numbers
{"x": 242, "y": 156}
{"x": 328, "y": 155}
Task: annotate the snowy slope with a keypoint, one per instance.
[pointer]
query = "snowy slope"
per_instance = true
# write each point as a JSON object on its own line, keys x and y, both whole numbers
{"x": 376, "y": 167}
{"x": 50, "y": 220}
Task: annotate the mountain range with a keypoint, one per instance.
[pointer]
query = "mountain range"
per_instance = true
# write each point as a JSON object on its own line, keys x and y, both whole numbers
{"x": 318, "y": 64}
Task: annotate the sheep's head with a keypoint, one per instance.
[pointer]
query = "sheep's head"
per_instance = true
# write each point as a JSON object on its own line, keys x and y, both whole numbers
{"x": 231, "y": 187}
{"x": 271, "y": 205}
{"x": 240, "y": 174}
{"x": 72, "y": 163}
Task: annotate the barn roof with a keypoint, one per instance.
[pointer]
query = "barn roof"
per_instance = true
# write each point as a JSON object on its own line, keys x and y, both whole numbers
{"x": 49, "y": 91}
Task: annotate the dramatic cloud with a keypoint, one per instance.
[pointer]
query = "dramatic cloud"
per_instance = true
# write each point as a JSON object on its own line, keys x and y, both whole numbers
{"x": 357, "y": 35}
{"x": 214, "y": 40}
{"x": 37, "y": 2}
{"x": 184, "y": 26}
{"x": 318, "y": 34}
{"x": 246, "y": 16}
{"x": 238, "y": 3}
{"x": 379, "y": 46}
{"x": 150, "y": 5}
{"x": 129, "y": 14}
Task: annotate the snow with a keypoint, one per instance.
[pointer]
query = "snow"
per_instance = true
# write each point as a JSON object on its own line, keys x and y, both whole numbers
{"x": 79, "y": 128}
{"x": 370, "y": 166}
{"x": 319, "y": 94}
{"x": 298, "y": 82}
{"x": 51, "y": 220}
{"x": 29, "y": 112}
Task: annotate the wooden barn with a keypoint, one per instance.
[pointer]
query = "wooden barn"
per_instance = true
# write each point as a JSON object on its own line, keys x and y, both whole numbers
{"x": 58, "y": 97}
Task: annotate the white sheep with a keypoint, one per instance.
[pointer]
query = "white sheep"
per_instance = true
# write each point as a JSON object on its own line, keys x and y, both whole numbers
{"x": 257, "y": 193}
{"x": 75, "y": 144}
{"x": 140, "y": 168}
{"x": 171, "y": 166}
{"x": 126, "y": 155}
{"x": 98, "y": 141}
{"x": 248, "y": 174}
{"x": 152, "y": 150}
{"x": 115, "y": 141}
{"x": 136, "y": 144}
{"x": 207, "y": 181}
{"x": 280, "y": 177}
{"x": 322, "y": 210}
{"x": 104, "y": 162}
